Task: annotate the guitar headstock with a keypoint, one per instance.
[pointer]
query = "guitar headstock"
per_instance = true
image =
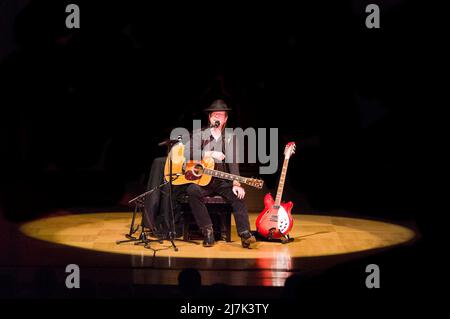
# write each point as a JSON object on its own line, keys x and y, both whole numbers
{"x": 289, "y": 150}
{"x": 258, "y": 183}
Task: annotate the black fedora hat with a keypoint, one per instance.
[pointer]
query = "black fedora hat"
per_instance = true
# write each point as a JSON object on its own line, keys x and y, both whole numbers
{"x": 217, "y": 106}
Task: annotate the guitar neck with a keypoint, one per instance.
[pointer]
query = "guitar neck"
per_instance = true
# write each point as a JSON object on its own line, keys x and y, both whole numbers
{"x": 281, "y": 182}
{"x": 223, "y": 175}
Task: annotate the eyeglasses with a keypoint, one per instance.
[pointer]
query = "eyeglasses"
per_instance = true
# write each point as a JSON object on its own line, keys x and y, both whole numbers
{"x": 222, "y": 115}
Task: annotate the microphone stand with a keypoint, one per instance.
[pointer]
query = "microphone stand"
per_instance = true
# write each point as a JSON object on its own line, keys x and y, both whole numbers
{"x": 171, "y": 236}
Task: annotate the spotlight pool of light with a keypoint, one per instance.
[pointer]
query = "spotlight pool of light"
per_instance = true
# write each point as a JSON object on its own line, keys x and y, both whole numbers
{"x": 315, "y": 235}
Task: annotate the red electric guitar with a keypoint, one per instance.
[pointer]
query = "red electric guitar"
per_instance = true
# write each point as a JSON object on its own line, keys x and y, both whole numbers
{"x": 275, "y": 221}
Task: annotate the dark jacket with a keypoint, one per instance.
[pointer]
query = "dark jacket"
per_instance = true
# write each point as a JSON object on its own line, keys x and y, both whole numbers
{"x": 203, "y": 141}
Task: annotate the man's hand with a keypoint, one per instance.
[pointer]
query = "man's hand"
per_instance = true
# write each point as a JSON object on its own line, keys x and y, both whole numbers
{"x": 216, "y": 155}
{"x": 239, "y": 192}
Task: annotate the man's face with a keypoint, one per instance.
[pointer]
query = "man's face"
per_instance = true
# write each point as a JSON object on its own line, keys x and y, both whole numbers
{"x": 218, "y": 116}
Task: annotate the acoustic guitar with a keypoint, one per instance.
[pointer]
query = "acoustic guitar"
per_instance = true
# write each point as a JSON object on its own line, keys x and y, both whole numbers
{"x": 199, "y": 172}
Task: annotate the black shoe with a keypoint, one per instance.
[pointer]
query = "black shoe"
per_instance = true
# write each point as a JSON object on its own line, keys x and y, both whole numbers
{"x": 247, "y": 239}
{"x": 208, "y": 239}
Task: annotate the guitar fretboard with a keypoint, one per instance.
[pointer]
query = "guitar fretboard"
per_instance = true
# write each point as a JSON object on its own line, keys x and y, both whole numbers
{"x": 281, "y": 182}
{"x": 224, "y": 175}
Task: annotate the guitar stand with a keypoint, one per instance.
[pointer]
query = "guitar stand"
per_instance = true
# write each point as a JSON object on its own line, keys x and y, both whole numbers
{"x": 284, "y": 239}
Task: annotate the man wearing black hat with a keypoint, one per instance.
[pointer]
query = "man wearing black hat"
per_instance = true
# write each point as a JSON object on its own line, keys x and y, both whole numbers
{"x": 216, "y": 143}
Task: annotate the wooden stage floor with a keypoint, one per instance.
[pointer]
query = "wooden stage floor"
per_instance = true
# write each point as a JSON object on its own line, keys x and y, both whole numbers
{"x": 88, "y": 240}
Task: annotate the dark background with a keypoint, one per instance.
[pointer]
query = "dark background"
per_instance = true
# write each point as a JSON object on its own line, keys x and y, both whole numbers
{"x": 82, "y": 110}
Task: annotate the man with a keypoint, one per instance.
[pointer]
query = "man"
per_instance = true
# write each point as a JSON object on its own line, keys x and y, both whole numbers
{"x": 213, "y": 142}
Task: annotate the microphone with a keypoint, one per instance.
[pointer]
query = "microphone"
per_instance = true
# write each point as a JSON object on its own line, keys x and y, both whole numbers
{"x": 216, "y": 124}
{"x": 168, "y": 142}
{"x": 171, "y": 142}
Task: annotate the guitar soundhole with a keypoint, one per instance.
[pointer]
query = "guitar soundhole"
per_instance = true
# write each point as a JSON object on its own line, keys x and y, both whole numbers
{"x": 194, "y": 173}
{"x": 197, "y": 170}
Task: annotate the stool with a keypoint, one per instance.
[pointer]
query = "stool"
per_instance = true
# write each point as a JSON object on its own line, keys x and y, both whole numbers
{"x": 217, "y": 207}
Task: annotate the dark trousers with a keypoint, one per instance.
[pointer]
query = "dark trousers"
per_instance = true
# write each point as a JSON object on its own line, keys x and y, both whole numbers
{"x": 223, "y": 188}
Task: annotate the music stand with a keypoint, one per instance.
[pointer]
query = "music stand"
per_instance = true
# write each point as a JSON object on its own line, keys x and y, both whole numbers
{"x": 172, "y": 233}
{"x": 139, "y": 205}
